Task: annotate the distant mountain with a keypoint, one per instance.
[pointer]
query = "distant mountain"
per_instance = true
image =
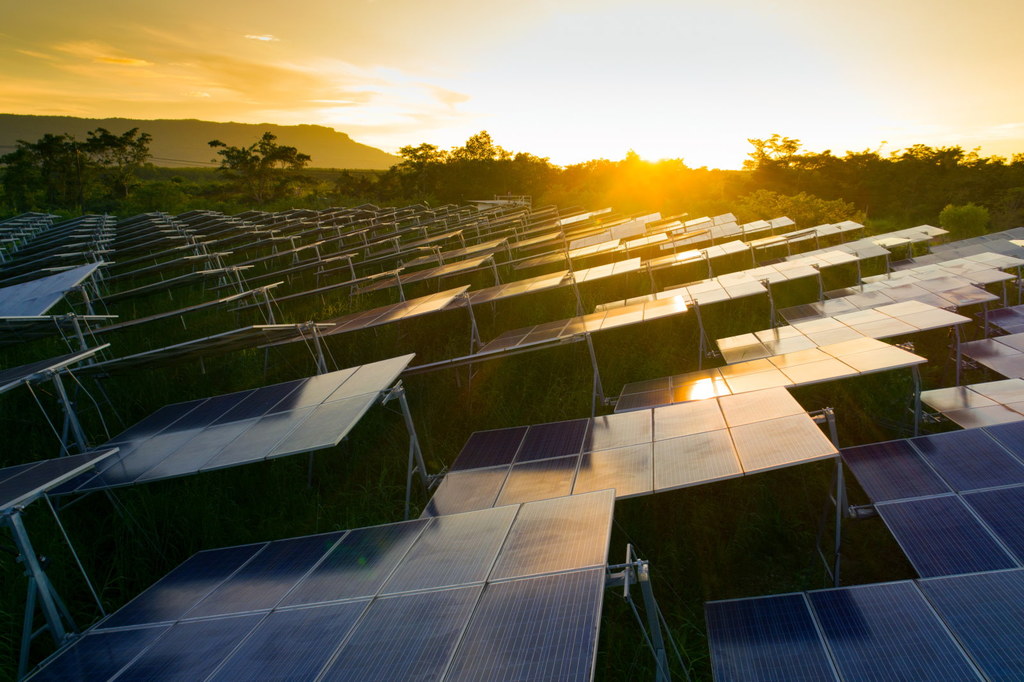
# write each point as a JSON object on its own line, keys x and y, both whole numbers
{"x": 184, "y": 142}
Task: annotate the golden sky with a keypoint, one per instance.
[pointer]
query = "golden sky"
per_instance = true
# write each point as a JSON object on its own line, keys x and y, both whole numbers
{"x": 567, "y": 79}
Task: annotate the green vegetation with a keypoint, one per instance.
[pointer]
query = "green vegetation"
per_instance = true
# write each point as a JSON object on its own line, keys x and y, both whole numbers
{"x": 964, "y": 222}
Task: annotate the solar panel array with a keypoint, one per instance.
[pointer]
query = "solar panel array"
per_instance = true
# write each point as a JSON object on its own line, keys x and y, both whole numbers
{"x": 965, "y": 627}
{"x": 983, "y": 404}
{"x": 34, "y": 298}
{"x": 22, "y": 483}
{"x": 856, "y": 357}
{"x": 637, "y": 453}
{"x": 508, "y": 593}
{"x": 1009, "y": 319}
{"x": 953, "y": 501}
{"x": 243, "y": 427}
{"x": 1002, "y": 354}
{"x": 34, "y": 371}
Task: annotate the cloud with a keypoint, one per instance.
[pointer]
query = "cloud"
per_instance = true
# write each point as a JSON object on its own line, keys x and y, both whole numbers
{"x": 99, "y": 53}
{"x": 266, "y": 38}
{"x": 37, "y": 55}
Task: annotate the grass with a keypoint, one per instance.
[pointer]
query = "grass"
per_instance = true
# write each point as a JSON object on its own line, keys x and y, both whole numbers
{"x": 744, "y": 537}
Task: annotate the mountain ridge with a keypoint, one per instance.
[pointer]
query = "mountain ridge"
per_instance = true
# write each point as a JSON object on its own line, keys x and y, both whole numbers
{"x": 184, "y": 142}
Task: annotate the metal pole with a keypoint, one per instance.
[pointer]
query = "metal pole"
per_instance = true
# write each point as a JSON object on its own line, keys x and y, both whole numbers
{"x": 474, "y": 331}
{"x": 651, "y": 608}
{"x": 266, "y": 304}
{"x": 69, "y": 414}
{"x": 916, "y": 374}
{"x": 598, "y": 390}
{"x": 956, "y": 335}
{"x": 415, "y": 454}
{"x": 321, "y": 362}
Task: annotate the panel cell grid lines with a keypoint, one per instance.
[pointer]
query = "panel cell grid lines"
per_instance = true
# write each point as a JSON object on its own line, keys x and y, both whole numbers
{"x": 247, "y": 426}
{"x": 851, "y": 357}
{"x": 977, "y": 405}
{"x": 636, "y": 453}
{"x": 524, "y": 583}
{"x": 964, "y": 627}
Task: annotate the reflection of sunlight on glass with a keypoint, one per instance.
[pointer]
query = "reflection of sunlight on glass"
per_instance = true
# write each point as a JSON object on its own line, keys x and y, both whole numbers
{"x": 702, "y": 389}
{"x": 680, "y": 303}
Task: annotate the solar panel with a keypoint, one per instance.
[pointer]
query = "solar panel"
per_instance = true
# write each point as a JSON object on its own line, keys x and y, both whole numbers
{"x": 758, "y": 406}
{"x": 694, "y": 459}
{"x": 405, "y": 637}
{"x": 35, "y": 297}
{"x": 539, "y": 480}
{"x": 940, "y": 536}
{"x": 767, "y": 638}
{"x": 21, "y": 484}
{"x": 986, "y": 613}
{"x": 190, "y": 650}
{"x": 887, "y": 631}
{"x": 891, "y": 471}
{"x": 557, "y": 535}
{"x": 15, "y": 376}
{"x": 489, "y": 448}
{"x": 628, "y": 470}
{"x": 99, "y": 655}
{"x": 358, "y": 565}
{"x": 970, "y": 459}
{"x": 541, "y": 628}
{"x": 687, "y": 418}
{"x": 292, "y": 644}
{"x": 177, "y": 592}
{"x": 619, "y": 430}
{"x": 474, "y": 537}
{"x": 462, "y": 491}
{"x": 780, "y": 442}
{"x": 246, "y": 426}
{"x": 554, "y": 439}
{"x": 1003, "y": 511}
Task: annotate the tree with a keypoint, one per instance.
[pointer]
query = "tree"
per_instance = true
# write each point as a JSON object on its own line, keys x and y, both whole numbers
{"x": 964, "y": 221}
{"x": 58, "y": 166}
{"x": 120, "y": 156}
{"x": 805, "y": 209}
{"x": 774, "y": 151}
{"x": 261, "y": 168}
{"x": 480, "y": 147}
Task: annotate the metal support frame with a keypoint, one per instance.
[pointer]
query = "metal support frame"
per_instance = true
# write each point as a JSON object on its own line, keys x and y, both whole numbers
{"x": 321, "y": 361}
{"x": 837, "y": 498}
{"x": 494, "y": 270}
{"x": 703, "y": 343}
{"x": 915, "y": 374}
{"x": 475, "y": 341}
{"x": 398, "y": 280}
{"x": 267, "y": 304}
{"x": 597, "y": 394}
{"x": 636, "y": 571}
{"x": 958, "y": 352}
{"x": 416, "y": 464}
{"x": 771, "y": 302}
{"x": 71, "y": 422}
{"x": 40, "y": 593}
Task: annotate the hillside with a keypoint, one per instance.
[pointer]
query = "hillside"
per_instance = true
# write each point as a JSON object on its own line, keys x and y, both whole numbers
{"x": 184, "y": 142}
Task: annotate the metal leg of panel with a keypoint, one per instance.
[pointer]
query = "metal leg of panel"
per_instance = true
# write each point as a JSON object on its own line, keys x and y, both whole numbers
{"x": 959, "y": 354}
{"x": 915, "y": 373}
{"x": 637, "y": 572}
{"x": 71, "y": 422}
{"x": 416, "y": 463}
{"x": 474, "y": 331}
{"x": 321, "y": 361}
{"x": 40, "y": 593}
{"x": 597, "y": 394}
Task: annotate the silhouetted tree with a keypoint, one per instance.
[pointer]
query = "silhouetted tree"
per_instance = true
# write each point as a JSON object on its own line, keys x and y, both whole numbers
{"x": 261, "y": 168}
{"x": 120, "y": 156}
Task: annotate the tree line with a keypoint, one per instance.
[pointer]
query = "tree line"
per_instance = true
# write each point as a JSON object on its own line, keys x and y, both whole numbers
{"x": 918, "y": 184}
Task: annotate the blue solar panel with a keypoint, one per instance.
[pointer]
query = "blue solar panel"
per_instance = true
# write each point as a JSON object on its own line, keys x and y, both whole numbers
{"x": 986, "y": 613}
{"x": 462, "y": 491}
{"x": 553, "y": 440}
{"x": 490, "y": 448}
{"x": 191, "y": 650}
{"x": 888, "y": 632}
{"x": 265, "y": 579}
{"x": 533, "y": 629}
{"x": 1003, "y": 511}
{"x": 179, "y": 590}
{"x": 98, "y": 655}
{"x": 970, "y": 459}
{"x": 769, "y": 639}
{"x": 358, "y": 565}
{"x": 940, "y": 536}
{"x": 892, "y": 471}
{"x": 474, "y": 537}
{"x": 293, "y": 644}
{"x": 409, "y": 637}
{"x": 1011, "y": 435}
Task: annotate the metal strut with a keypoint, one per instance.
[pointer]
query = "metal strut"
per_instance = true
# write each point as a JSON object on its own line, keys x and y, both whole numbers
{"x": 837, "y": 498}
{"x": 416, "y": 464}
{"x": 40, "y": 592}
{"x": 637, "y": 571}
{"x": 597, "y": 394}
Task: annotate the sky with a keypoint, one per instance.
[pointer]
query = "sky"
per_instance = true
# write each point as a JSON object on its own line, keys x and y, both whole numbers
{"x": 570, "y": 80}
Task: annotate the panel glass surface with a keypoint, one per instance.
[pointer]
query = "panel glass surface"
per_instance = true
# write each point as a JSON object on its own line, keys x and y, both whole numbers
{"x": 557, "y": 535}
{"x": 694, "y": 459}
{"x": 684, "y": 419}
{"x": 490, "y": 448}
{"x": 406, "y": 637}
{"x": 191, "y": 650}
{"x": 887, "y": 632}
{"x": 293, "y": 644}
{"x": 891, "y": 471}
{"x": 265, "y": 579}
{"x": 539, "y": 480}
{"x": 467, "y": 490}
{"x": 1003, "y": 511}
{"x": 358, "y": 565}
{"x": 969, "y": 460}
{"x": 768, "y": 638}
{"x": 619, "y": 430}
{"x": 628, "y": 470}
{"x": 759, "y": 406}
{"x": 986, "y": 613}
{"x": 533, "y": 629}
{"x": 940, "y": 536}
{"x": 473, "y": 538}
{"x": 553, "y": 440}
{"x": 99, "y": 655}
{"x": 174, "y": 594}
{"x": 780, "y": 442}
